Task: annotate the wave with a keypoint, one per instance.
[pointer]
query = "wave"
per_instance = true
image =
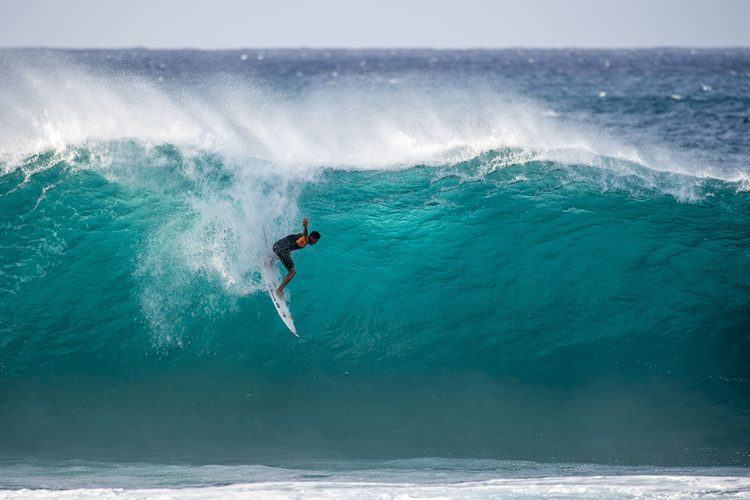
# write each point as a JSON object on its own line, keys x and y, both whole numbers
{"x": 433, "y": 289}
{"x": 491, "y": 282}
{"x": 216, "y": 213}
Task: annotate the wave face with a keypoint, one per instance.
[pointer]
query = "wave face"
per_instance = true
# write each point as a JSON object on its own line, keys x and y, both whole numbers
{"x": 553, "y": 277}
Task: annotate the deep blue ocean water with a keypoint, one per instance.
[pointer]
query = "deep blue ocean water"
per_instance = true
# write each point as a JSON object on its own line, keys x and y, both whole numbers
{"x": 527, "y": 255}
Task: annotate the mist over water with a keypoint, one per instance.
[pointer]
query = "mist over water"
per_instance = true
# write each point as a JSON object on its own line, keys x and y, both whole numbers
{"x": 526, "y": 255}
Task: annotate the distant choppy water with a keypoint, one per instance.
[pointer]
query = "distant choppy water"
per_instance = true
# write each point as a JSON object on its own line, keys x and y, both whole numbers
{"x": 526, "y": 255}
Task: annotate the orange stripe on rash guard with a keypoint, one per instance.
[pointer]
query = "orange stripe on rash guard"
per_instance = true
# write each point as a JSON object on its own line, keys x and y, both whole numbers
{"x": 301, "y": 241}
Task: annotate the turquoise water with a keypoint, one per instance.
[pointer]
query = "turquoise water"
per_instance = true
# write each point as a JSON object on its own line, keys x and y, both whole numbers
{"x": 523, "y": 311}
{"x": 473, "y": 296}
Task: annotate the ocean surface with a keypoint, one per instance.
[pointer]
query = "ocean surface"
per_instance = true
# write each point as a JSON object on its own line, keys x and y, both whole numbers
{"x": 533, "y": 277}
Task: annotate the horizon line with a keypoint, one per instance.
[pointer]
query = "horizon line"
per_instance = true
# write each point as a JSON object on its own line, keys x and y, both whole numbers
{"x": 386, "y": 48}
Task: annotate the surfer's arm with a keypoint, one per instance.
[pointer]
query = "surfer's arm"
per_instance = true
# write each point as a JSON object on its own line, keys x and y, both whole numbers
{"x": 304, "y": 227}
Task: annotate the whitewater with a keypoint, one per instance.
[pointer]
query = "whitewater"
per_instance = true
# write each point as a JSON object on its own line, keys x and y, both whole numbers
{"x": 534, "y": 276}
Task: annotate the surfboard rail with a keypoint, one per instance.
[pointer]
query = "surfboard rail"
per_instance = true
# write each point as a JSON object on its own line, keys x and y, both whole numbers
{"x": 271, "y": 283}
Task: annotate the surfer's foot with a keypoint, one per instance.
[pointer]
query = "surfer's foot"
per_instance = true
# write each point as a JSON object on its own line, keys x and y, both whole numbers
{"x": 280, "y": 293}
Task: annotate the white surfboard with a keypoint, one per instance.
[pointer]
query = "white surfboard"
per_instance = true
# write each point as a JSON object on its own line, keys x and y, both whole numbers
{"x": 270, "y": 278}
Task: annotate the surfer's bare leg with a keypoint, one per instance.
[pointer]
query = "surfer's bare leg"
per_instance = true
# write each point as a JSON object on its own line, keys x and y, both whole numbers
{"x": 287, "y": 279}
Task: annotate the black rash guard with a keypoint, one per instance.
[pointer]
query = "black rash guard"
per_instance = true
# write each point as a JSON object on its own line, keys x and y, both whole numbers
{"x": 285, "y": 246}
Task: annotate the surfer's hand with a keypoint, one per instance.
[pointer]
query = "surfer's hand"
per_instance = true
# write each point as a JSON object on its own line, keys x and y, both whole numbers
{"x": 304, "y": 222}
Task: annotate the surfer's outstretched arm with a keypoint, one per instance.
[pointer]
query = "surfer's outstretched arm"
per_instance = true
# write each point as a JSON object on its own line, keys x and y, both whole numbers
{"x": 304, "y": 227}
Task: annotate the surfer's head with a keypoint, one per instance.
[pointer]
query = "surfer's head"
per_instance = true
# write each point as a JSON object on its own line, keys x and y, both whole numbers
{"x": 313, "y": 237}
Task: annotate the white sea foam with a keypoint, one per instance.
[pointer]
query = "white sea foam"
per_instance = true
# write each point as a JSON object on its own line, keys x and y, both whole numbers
{"x": 598, "y": 487}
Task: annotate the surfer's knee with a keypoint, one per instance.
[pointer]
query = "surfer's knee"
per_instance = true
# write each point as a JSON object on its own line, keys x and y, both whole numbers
{"x": 292, "y": 272}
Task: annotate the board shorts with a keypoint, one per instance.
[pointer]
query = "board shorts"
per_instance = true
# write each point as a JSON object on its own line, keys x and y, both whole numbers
{"x": 284, "y": 255}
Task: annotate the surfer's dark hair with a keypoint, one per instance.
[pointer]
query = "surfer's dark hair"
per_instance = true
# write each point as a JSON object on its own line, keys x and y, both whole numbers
{"x": 315, "y": 235}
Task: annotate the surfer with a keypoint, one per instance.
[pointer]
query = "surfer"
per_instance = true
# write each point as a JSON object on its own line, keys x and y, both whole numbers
{"x": 286, "y": 245}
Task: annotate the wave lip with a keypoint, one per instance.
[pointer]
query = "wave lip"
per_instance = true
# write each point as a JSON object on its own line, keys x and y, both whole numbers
{"x": 58, "y": 103}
